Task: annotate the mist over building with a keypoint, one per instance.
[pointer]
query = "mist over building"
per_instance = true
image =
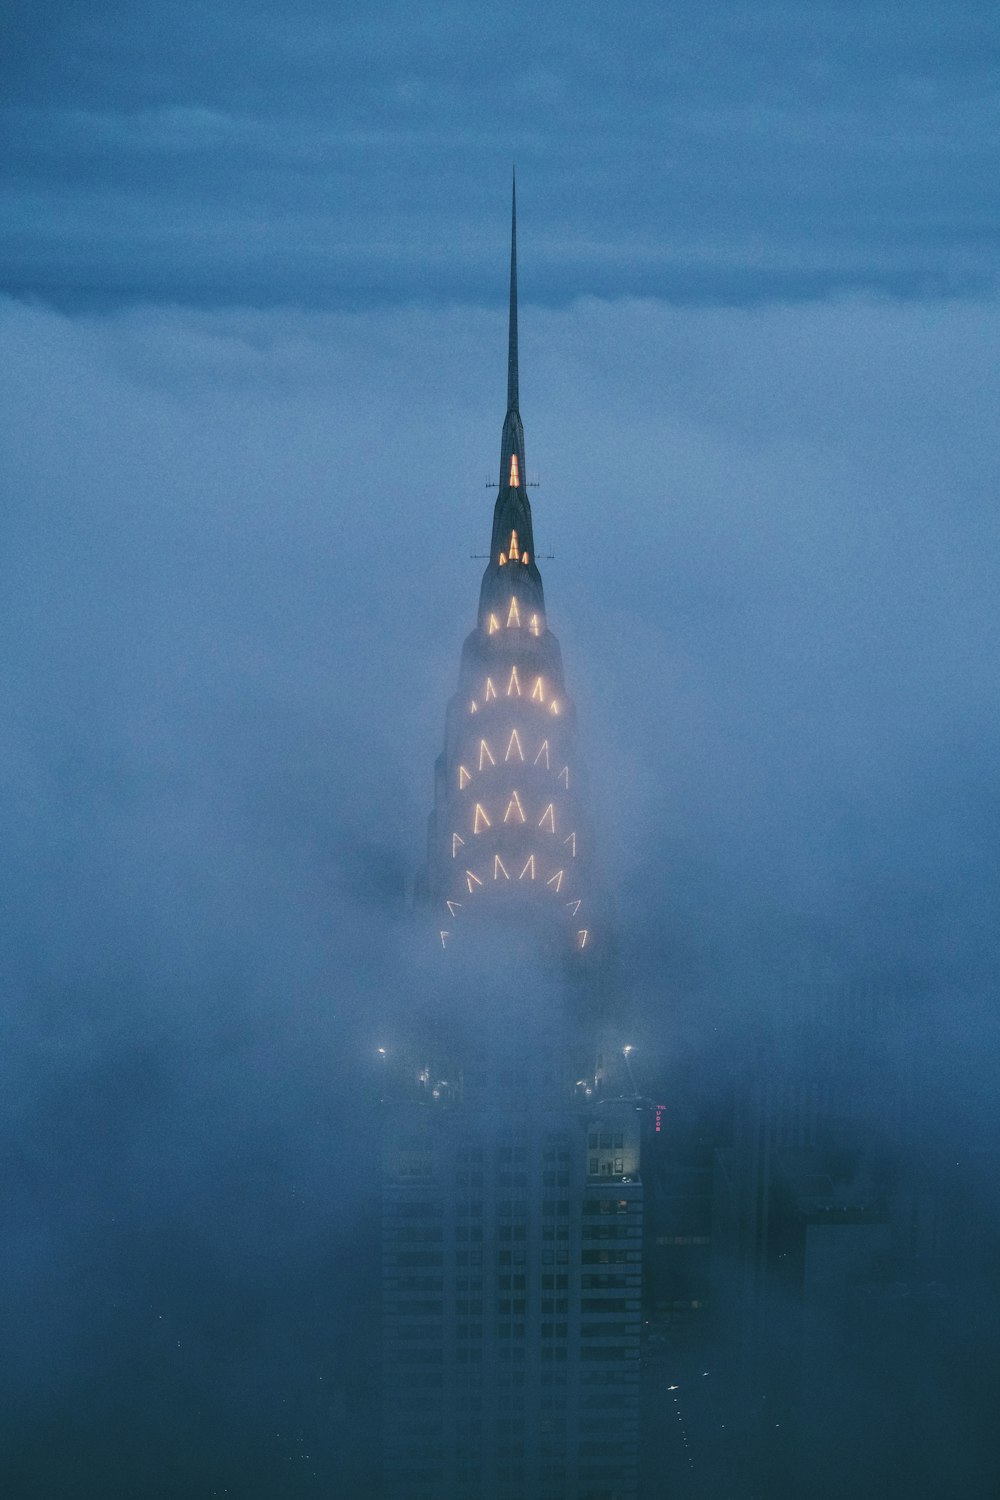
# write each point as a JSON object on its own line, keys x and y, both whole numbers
{"x": 512, "y": 1195}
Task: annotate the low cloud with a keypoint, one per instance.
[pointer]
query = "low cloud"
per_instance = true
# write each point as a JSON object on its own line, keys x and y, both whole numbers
{"x": 236, "y": 578}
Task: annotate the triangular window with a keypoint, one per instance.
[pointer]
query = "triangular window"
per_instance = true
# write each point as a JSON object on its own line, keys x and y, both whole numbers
{"x": 463, "y": 778}
{"x": 498, "y": 868}
{"x": 514, "y": 550}
{"x": 513, "y": 614}
{"x": 491, "y": 691}
{"x": 538, "y": 691}
{"x": 514, "y": 746}
{"x": 456, "y": 840}
{"x": 543, "y": 753}
{"x": 480, "y": 820}
{"x": 571, "y": 841}
{"x": 529, "y": 869}
{"x": 535, "y": 624}
{"x": 555, "y": 881}
{"x": 453, "y": 906}
{"x": 494, "y": 625}
{"x": 514, "y": 809}
{"x": 548, "y": 819}
{"x": 471, "y": 880}
{"x": 514, "y": 685}
{"x": 485, "y": 754}
{"x": 564, "y": 777}
{"x": 515, "y": 479}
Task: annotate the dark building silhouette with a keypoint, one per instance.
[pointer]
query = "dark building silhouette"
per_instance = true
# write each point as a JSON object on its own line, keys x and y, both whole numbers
{"x": 512, "y": 1198}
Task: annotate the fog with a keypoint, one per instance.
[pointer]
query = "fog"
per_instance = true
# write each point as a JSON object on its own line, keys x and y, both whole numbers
{"x": 236, "y": 577}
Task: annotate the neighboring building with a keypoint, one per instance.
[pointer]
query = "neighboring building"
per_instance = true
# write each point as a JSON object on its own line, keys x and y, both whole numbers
{"x": 512, "y": 1200}
{"x": 807, "y": 1232}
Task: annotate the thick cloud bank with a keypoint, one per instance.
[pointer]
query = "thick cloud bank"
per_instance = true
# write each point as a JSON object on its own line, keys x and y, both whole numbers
{"x": 235, "y": 579}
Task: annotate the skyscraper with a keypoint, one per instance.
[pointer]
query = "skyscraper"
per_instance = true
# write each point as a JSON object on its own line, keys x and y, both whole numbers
{"x": 512, "y": 1200}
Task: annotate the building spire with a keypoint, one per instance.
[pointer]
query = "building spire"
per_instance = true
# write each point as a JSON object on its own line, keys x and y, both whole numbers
{"x": 512, "y": 547}
{"x": 512, "y": 394}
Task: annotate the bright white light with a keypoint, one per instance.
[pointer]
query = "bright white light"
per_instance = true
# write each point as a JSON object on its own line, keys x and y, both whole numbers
{"x": 627, "y": 1049}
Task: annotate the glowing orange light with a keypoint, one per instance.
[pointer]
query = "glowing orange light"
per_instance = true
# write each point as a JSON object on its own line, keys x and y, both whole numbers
{"x": 491, "y": 691}
{"x": 514, "y": 685}
{"x": 498, "y": 868}
{"x": 453, "y": 906}
{"x": 564, "y": 777}
{"x": 514, "y": 549}
{"x": 515, "y": 479}
{"x": 571, "y": 841}
{"x": 494, "y": 625}
{"x": 456, "y": 840}
{"x": 583, "y": 935}
{"x": 480, "y": 820}
{"x": 514, "y": 744}
{"x": 548, "y": 819}
{"x": 513, "y": 614}
{"x": 525, "y": 558}
{"x": 471, "y": 879}
{"x": 529, "y": 869}
{"x": 485, "y": 754}
{"x": 544, "y": 750}
{"x": 463, "y": 778}
{"x": 503, "y": 560}
{"x": 574, "y": 907}
{"x": 556, "y": 880}
{"x": 538, "y": 691}
{"x": 514, "y": 806}
{"x": 536, "y": 625}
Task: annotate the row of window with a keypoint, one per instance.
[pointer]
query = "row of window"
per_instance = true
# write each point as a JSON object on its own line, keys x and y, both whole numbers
{"x": 515, "y": 814}
{"x": 537, "y": 691}
{"x": 483, "y": 759}
{"x": 511, "y": 617}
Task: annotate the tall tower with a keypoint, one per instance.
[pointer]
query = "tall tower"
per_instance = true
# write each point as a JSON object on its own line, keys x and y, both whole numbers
{"x": 512, "y": 1200}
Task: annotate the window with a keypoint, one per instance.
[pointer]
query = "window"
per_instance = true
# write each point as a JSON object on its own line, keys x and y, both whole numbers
{"x": 514, "y": 809}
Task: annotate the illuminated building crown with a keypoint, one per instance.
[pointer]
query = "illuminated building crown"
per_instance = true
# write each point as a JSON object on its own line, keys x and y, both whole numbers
{"x": 508, "y": 835}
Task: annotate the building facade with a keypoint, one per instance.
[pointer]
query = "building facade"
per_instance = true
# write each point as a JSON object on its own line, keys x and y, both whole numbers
{"x": 512, "y": 1195}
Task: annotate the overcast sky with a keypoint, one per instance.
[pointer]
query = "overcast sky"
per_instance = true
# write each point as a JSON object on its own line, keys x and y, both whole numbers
{"x": 330, "y": 155}
{"x": 253, "y": 377}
